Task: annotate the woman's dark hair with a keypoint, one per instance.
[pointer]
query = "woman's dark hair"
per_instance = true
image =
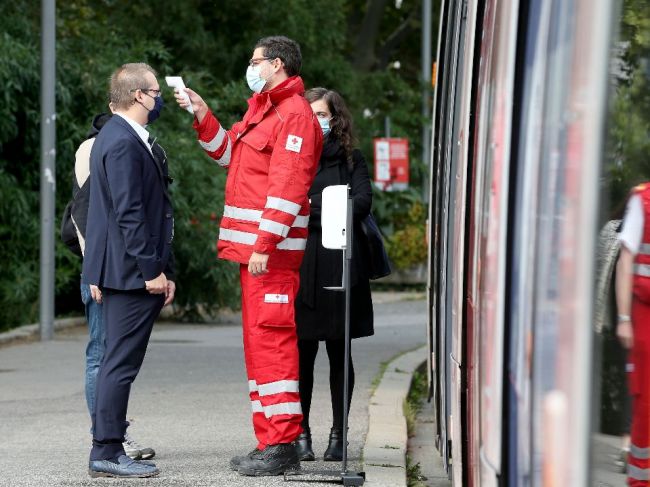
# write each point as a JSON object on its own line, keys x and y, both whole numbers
{"x": 341, "y": 123}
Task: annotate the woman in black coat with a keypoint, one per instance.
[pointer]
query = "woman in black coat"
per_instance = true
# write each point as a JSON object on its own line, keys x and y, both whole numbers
{"x": 320, "y": 314}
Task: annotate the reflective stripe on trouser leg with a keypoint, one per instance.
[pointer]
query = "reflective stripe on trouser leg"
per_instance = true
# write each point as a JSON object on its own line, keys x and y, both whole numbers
{"x": 259, "y": 420}
{"x": 272, "y": 354}
{"x": 639, "y": 458}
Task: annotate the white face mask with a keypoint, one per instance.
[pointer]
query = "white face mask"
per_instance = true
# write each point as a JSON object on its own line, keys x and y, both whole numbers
{"x": 254, "y": 78}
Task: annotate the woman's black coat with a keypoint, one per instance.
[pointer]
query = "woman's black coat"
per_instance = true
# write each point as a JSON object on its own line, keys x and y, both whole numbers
{"x": 320, "y": 314}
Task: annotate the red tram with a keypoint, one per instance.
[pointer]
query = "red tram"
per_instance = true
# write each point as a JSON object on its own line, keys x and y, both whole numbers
{"x": 518, "y": 136}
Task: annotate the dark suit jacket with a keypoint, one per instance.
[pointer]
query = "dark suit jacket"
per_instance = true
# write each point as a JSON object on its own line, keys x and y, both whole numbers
{"x": 130, "y": 221}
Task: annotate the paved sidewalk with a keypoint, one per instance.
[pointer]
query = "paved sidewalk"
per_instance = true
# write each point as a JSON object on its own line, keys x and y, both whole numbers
{"x": 190, "y": 403}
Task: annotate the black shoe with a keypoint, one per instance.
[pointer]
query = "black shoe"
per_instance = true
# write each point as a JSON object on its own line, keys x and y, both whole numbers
{"x": 235, "y": 461}
{"x": 303, "y": 447}
{"x": 273, "y": 460}
{"x": 334, "y": 452}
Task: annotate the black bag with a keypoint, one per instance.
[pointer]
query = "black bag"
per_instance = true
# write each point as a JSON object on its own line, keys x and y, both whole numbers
{"x": 379, "y": 265}
{"x": 68, "y": 230}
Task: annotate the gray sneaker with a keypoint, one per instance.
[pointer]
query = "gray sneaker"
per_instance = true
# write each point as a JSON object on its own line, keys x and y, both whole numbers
{"x": 136, "y": 451}
{"x": 126, "y": 468}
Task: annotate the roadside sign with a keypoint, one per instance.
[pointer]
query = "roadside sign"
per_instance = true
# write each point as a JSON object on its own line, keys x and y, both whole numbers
{"x": 391, "y": 163}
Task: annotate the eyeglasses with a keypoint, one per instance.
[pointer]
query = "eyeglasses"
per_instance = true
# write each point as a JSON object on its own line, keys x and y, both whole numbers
{"x": 156, "y": 92}
{"x": 256, "y": 60}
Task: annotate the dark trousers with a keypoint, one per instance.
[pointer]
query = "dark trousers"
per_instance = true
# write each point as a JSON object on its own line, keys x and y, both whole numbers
{"x": 128, "y": 320}
{"x": 308, "y": 349}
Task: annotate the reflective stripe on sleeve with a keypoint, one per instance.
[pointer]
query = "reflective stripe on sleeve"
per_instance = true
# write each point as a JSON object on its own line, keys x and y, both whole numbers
{"x": 248, "y": 238}
{"x": 301, "y": 221}
{"x": 293, "y": 244}
{"x": 215, "y": 143}
{"x": 251, "y": 215}
{"x": 278, "y": 387}
{"x": 245, "y": 214}
{"x": 236, "y": 236}
{"x": 252, "y": 386}
{"x": 257, "y": 407}
{"x": 224, "y": 161}
{"x": 644, "y": 248}
{"x": 274, "y": 227}
{"x": 282, "y": 205}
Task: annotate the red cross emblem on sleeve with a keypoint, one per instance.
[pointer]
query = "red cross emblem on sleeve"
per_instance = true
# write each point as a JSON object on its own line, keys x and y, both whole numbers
{"x": 294, "y": 143}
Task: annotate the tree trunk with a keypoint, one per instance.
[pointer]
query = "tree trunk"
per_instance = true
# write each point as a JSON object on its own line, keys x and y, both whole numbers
{"x": 364, "y": 54}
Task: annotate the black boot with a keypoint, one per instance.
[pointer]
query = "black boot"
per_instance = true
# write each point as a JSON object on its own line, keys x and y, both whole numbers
{"x": 235, "y": 461}
{"x": 273, "y": 460}
{"x": 303, "y": 447}
{"x": 334, "y": 452}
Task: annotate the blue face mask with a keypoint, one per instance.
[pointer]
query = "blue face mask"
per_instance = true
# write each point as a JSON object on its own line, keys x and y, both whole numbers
{"x": 154, "y": 113}
{"x": 324, "y": 125}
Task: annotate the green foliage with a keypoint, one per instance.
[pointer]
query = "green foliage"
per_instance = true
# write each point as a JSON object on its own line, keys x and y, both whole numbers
{"x": 407, "y": 246}
{"x": 209, "y": 44}
{"x": 628, "y": 161}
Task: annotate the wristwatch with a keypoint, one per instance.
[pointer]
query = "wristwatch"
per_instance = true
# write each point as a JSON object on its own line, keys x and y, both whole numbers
{"x": 623, "y": 318}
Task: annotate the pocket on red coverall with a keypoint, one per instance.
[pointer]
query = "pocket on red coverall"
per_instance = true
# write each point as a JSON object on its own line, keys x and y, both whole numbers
{"x": 275, "y": 305}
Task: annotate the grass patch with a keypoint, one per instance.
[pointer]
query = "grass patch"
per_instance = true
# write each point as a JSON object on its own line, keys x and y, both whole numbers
{"x": 415, "y": 397}
{"x": 414, "y": 475}
{"x": 377, "y": 379}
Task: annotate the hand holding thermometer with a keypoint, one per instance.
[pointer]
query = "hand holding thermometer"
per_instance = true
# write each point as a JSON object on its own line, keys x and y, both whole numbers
{"x": 176, "y": 82}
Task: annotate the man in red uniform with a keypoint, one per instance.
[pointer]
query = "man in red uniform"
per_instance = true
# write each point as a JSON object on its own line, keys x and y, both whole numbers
{"x": 633, "y": 302}
{"x": 271, "y": 157}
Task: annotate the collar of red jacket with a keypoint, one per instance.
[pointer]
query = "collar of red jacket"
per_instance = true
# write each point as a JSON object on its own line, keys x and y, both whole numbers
{"x": 289, "y": 87}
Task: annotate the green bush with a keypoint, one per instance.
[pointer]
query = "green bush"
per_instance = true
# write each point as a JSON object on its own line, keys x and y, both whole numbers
{"x": 407, "y": 246}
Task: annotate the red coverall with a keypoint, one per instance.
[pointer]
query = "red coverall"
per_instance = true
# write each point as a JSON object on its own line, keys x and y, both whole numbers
{"x": 271, "y": 157}
{"x": 639, "y": 357}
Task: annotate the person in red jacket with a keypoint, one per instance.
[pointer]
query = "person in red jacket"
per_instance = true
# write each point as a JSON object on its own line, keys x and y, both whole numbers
{"x": 633, "y": 330}
{"x": 271, "y": 156}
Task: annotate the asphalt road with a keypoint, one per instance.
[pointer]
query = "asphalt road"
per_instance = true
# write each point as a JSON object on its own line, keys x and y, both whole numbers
{"x": 190, "y": 403}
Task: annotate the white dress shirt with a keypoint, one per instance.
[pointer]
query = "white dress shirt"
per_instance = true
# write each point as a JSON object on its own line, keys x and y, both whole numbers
{"x": 139, "y": 129}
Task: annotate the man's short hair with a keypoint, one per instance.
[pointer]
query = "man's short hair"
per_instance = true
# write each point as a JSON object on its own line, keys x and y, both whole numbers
{"x": 284, "y": 48}
{"x": 125, "y": 80}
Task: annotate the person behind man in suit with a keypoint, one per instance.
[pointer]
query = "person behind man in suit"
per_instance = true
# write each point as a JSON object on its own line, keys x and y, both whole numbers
{"x": 129, "y": 236}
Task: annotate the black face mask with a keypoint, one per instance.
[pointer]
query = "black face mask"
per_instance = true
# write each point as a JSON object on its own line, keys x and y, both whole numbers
{"x": 154, "y": 113}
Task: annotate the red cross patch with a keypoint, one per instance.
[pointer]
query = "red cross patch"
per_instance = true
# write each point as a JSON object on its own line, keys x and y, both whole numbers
{"x": 294, "y": 143}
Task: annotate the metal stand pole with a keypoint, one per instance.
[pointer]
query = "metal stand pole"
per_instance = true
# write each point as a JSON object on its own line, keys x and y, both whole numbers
{"x": 48, "y": 171}
{"x": 347, "y": 477}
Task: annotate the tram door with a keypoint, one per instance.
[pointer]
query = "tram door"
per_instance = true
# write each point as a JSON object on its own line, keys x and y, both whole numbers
{"x": 443, "y": 125}
{"x": 455, "y": 245}
{"x": 452, "y": 135}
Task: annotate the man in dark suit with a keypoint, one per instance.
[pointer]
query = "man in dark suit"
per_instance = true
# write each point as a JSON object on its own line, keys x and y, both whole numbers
{"x": 129, "y": 234}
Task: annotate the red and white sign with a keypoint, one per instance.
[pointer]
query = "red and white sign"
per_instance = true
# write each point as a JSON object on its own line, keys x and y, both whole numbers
{"x": 391, "y": 163}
